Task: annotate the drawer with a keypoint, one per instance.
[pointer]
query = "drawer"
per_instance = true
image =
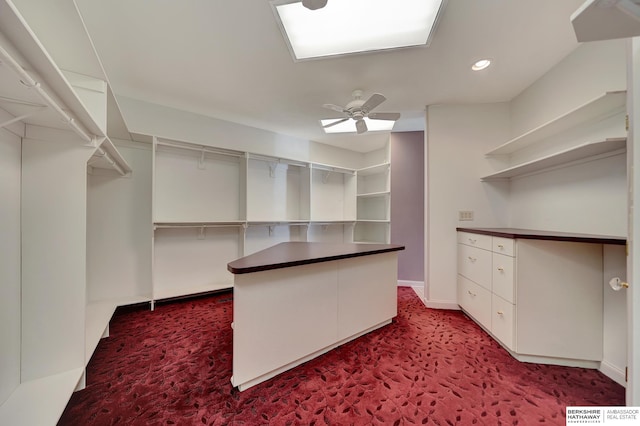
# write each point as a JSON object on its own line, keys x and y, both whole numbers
{"x": 475, "y": 240}
{"x": 475, "y": 300}
{"x": 503, "y": 321}
{"x": 502, "y": 276}
{"x": 475, "y": 264}
{"x": 503, "y": 246}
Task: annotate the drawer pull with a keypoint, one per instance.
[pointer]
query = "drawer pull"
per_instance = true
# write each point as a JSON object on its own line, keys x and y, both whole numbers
{"x": 473, "y": 259}
{"x": 500, "y": 268}
{"x": 500, "y": 313}
{"x": 501, "y": 246}
{"x": 472, "y": 241}
{"x": 471, "y": 294}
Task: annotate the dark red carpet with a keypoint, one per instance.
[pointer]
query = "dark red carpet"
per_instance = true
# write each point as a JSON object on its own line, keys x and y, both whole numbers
{"x": 173, "y": 366}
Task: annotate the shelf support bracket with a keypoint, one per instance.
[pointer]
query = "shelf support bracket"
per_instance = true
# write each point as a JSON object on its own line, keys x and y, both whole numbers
{"x": 325, "y": 177}
{"x": 201, "y": 233}
{"x": 271, "y": 228}
{"x": 201, "y": 165}
{"x": 272, "y": 169}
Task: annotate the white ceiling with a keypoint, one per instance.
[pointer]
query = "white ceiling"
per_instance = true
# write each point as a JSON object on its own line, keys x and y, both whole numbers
{"x": 228, "y": 59}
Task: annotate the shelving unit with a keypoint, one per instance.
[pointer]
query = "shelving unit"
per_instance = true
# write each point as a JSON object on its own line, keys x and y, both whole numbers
{"x": 373, "y": 204}
{"x": 581, "y": 152}
{"x": 594, "y": 129}
{"x": 61, "y": 117}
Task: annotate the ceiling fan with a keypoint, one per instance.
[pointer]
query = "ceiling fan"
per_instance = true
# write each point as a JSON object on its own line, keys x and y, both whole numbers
{"x": 359, "y": 109}
{"x": 314, "y": 4}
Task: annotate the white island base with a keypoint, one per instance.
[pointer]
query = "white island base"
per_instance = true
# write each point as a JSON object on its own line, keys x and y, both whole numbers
{"x": 284, "y": 317}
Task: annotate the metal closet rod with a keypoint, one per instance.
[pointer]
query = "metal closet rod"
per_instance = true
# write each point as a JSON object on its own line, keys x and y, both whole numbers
{"x": 30, "y": 83}
{"x": 104, "y": 154}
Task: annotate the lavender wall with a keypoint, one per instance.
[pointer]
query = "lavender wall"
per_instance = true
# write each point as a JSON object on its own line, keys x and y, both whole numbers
{"x": 407, "y": 202}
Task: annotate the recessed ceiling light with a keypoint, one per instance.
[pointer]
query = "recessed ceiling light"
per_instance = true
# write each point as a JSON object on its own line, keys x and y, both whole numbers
{"x": 352, "y": 26}
{"x": 481, "y": 64}
{"x": 349, "y": 126}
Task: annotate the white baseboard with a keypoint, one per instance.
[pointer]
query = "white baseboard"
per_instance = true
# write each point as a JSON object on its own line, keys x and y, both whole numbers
{"x": 406, "y": 283}
{"x": 613, "y": 372}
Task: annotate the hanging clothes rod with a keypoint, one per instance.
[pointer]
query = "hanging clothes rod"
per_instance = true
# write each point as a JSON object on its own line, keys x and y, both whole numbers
{"x": 199, "y": 148}
{"x": 30, "y": 83}
{"x": 103, "y": 154}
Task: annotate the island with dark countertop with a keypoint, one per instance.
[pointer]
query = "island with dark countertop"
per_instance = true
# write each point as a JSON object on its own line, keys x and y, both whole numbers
{"x": 297, "y": 300}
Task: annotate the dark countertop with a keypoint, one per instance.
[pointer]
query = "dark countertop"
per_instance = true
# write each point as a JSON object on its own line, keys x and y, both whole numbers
{"x": 285, "y": 255}
{"x": 532, "y": 234}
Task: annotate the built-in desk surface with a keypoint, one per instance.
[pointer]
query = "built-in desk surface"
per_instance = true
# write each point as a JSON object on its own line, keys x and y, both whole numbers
{"x": 533, "y": 234}
{"x": 285, "y": 255}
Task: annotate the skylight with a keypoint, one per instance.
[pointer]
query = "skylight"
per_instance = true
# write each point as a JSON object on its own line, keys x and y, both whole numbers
{"x": 349, "y": 126}
{"x": 352, "y": 26}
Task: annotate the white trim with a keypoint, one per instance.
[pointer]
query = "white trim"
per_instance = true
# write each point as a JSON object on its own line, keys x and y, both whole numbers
{"x": 441, "y": 304}
{"x": 613, "y": 372}
{"x": 406, "y": 283}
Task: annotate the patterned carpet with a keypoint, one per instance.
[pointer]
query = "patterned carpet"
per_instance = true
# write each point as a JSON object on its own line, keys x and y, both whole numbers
{"x": 173, "y": 367}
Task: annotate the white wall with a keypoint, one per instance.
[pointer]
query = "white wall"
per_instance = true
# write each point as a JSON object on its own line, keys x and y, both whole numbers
{"x": 150, "y": 119}
{"x": 9, "y": 263}
{"x": 457, "y": 138}
{"x": 588, "y": 72}
{"x": 119, "y": 231}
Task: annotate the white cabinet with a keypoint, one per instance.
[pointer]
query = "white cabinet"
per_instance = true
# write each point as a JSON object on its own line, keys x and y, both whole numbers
{"x": 542, "y": 299}
{"x": 485, "y": 277}
{"x": 594, "y": 129}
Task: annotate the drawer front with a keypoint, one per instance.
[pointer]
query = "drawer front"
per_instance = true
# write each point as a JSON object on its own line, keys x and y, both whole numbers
{"x": 475, "y": 240}
{"x": 475, "y": 300}
{"x": 503, "y": 321}
{"x": 503, "y": 246}
{"x": 503, "y": 276}
{"x": 475, "y": 264}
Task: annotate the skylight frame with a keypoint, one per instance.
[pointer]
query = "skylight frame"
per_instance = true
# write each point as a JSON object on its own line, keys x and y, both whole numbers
{"x": 275, "y": 4}
{"x": 349, "y": 126}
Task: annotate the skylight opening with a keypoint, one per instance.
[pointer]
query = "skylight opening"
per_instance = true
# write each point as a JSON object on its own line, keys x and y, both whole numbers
{"x": 349, "y": 126}
{"x": 354, "y": 26}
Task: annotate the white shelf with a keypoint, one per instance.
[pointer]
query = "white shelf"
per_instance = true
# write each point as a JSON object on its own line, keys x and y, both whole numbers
{"x": 594, "y": 110}
{"x": 223, "y": 224}
{"x": 375, "y": 194}
{"x": 587, "y": 150}
{"x": 378, "y": 168}
{"x": 41, "y": 401}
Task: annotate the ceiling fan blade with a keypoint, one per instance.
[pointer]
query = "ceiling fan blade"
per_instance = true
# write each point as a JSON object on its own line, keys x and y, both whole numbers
{"x": 375, "y": 100}
{"x": 334, "y": 107}
{"x": 361, "y": 126}
{"x": 342, "y": 120}
{"x": 393, "y": 116}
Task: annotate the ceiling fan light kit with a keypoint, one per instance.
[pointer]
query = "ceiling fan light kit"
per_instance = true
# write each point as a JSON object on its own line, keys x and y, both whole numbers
{"x": 359, "y": 110}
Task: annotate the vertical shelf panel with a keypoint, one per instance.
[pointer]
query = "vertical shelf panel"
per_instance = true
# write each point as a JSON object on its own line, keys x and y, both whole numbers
{"x": 192, "y": 186}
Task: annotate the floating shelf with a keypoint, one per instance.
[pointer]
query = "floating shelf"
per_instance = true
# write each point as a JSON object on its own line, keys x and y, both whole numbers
{"x": 379, "y": 168}
{"x": 598, "y": 108}
{"x": 374, "y": 194}
{"x": 580, "y": 152}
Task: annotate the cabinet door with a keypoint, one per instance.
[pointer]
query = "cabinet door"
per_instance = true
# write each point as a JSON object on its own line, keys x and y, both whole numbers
{"x": 475, "y": 264}
{"x": 559, "y": 299}
{"x": 503, "y": 321}
{"x": 503, "y": 273}
{"x": 475, "y": 300}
